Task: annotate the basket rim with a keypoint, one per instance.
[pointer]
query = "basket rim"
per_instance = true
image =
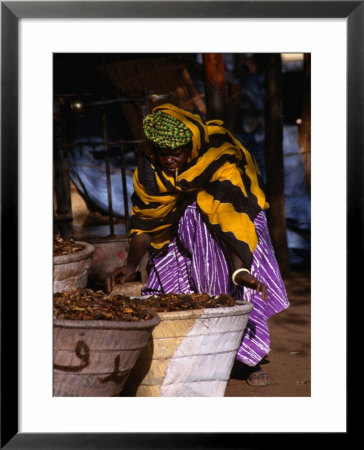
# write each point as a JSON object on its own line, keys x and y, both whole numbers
{"x": 242, "y": 307}
{"x": 108, "y": 324}
{"x": 77, "y": 256}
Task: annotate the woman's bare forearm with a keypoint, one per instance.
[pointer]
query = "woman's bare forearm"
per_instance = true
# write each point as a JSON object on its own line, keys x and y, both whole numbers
{"x": 236, "y": 262}
{"x": 139, "y": 245}
{"x": 244, "y": 278}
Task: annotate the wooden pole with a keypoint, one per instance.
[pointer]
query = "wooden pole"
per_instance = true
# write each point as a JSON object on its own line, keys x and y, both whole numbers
{"x": 108, "y": 175}
{"x": 274, "y": 161}
{"x": 63, "y": 213}
{"x": 125, "y": 189}
{"x": 215, "y": 86}
{"x": 305, "y": 126}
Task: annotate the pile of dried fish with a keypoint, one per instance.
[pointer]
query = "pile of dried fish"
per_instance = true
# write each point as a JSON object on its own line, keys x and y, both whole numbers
{"x": 182, "y": 302}
{"x": 86, "y": 304}
{"x": 63, "y": 246}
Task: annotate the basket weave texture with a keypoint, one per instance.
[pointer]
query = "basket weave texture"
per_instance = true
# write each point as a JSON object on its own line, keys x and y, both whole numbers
{"x": 93, "y": 358}
{"x": 71, "y": 270}
{"x": 190, "y": 353}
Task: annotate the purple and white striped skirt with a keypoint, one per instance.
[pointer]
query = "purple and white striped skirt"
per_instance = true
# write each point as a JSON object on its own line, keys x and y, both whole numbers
{"x": 197, "y": 261}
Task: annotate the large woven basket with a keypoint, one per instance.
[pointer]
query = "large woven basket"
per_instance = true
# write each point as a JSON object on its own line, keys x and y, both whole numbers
{"x": 93, "y": 358}
{"x": 190, "y": 353}
{"x": 71, "y": 270}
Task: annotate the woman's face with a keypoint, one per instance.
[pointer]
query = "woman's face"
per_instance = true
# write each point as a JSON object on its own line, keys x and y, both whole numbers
{"x": 170, "y": 160}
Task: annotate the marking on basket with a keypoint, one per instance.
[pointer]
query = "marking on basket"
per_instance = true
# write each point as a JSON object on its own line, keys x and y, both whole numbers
{"x": 83, "y": 353}
{"x": 117, "y": 375}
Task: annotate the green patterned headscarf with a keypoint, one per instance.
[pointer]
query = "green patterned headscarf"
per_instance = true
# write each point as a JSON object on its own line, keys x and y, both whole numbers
{"x": 165, "y": 131}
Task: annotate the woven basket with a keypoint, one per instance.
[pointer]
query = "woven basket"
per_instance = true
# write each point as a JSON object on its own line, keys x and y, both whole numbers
{"x": 190, "y": 353}
{"x": 71, "y": 270}
{"x": 93, "y": 358}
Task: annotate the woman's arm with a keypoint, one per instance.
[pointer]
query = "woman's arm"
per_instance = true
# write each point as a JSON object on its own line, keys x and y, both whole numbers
{"x": 139, "y": 244}
{"x": 244, "y": 278}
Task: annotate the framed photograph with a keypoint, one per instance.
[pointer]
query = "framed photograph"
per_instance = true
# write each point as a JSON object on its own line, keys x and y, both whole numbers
{"x": 31, "y": 33}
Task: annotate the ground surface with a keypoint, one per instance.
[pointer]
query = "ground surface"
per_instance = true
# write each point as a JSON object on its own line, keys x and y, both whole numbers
{"x": 289, "y": 361}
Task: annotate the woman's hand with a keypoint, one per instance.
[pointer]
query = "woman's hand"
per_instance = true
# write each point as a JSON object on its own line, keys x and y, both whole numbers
{"x": 245, "y": 279}
{"x": 138, "y": 246}
{"x": 119, "y": 275}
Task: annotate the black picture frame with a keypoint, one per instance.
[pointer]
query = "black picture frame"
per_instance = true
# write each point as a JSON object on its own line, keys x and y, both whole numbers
{"x": 11, "y": 12}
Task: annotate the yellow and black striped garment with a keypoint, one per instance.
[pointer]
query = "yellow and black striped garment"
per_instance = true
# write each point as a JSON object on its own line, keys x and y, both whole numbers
{"x": 220, "y": 175}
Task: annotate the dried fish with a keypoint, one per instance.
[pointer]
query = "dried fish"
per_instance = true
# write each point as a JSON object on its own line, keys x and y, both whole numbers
{"x": 62, "y": 246}
{"x": 86, "y": 304}
{"x": 181, "y": 302}
{"x": 96, "y": 305}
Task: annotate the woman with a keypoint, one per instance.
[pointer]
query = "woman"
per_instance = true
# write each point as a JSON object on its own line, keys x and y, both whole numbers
{"x": 198, "y": 207}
